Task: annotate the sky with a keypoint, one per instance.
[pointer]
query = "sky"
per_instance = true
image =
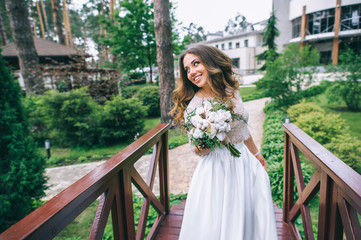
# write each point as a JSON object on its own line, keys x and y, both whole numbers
{"x": 213, "y": 15}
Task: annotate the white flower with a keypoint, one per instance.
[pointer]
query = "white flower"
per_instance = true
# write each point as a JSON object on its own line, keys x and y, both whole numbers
{"x": 200, "y": 110}
{"x": 213, "y": 131}
{"x": 221, "y": 136}
{"x": 212, "y": 117}
{"x": 197, "y": 133}
{"x": 224, "y": 116}
{"x": 195, "y": 120}
{"x": 207, "y": 105}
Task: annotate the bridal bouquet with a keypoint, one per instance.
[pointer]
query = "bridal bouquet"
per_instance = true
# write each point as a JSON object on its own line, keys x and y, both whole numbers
{"x": 208, "y": 124}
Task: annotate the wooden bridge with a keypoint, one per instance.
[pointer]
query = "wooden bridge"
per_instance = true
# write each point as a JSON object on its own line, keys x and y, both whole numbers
{"x": 339, "y": 189}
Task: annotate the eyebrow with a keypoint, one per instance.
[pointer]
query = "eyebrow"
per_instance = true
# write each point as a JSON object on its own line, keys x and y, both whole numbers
{"x": 185, "y": 68}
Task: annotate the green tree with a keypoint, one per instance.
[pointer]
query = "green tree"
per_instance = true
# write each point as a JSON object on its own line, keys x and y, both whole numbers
{"x": 194, "y": 34}
{"x": 271, "y": 32}
{"x": 347, "y": 86}
{"x": 237, "y": 25}
{"x": 21, "y": 166}
{"x": 131, "y": 37}
{"x": 289, "y": 74}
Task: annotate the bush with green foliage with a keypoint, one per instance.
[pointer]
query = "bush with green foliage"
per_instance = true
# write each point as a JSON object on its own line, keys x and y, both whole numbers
{"x": 348, "y": 149}
{"x": 273, "y": 151}
{"x": 303, "y": 108}
{"x": 38, "y": 127}
{"x": 150, "y": 98}
{"x": 21, "y": 166}
{"x": 121, "y": 119}
{"x": 348, "y": 84}
{"x": 289, "y": 74}
{"x": 130, "y": 91}
{"x": 321, "y": 127}
{"x": 71, "y": 117}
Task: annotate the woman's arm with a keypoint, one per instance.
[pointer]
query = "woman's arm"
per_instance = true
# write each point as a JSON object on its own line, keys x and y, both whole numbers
{"x": 254, "y": 150}
{"x": 201, "y": 151}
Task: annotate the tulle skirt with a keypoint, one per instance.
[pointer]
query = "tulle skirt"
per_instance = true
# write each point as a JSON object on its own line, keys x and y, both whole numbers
{"x": 229, "y": 198}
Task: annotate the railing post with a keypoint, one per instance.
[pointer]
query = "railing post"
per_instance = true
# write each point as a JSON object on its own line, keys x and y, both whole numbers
{"x": 163, "y": 173}
{"x": 288, "y": 180}
{"x": 325, "y": 200}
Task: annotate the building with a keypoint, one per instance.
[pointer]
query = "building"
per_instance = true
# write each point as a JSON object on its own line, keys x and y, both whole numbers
{"x": 242, "y": 48}
{"x": 328, "y": 25}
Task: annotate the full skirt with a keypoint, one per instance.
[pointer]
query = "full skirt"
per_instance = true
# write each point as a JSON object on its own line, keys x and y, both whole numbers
{"x": 229, "y": 198}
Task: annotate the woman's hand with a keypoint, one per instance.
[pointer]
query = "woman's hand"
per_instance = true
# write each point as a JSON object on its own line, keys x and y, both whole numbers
{"x": 202, "y": 151}
{"x": 262, "y": 161}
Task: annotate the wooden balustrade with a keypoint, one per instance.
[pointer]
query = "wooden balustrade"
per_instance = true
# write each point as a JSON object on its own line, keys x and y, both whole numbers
{"x": 112, "y": 182}
{"x": 338, "y": 185}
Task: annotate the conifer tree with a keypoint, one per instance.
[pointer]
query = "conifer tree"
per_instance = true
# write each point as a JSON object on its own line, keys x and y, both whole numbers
{"x": 21, "y": 167}
{"x": 271, "y": 32}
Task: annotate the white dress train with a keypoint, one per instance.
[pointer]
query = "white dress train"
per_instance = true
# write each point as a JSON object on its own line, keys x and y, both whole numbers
{"x": 229, "y": 198}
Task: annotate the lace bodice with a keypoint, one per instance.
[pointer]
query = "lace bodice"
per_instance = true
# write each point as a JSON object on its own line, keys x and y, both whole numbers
{"x": 239, "y": 129}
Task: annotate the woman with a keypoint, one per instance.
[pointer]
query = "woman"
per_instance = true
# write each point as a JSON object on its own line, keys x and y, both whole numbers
{"x": 229, "y": 197}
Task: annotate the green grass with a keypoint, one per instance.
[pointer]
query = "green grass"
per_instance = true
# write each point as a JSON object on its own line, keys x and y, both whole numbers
{"x": 353, "y": 119}
{"x": 247, "y": 91}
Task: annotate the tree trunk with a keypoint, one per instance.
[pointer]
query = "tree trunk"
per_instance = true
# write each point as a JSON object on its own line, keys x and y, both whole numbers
{"x": 40, "y": 20}
{"x": 24, "y": 42}
{"x": 57, "y": 21}
{"x": 45, "y": 17}
{"x": 4, "y": 40}
{"x": 68, "y": 36}
{"x": 163, "y": 36}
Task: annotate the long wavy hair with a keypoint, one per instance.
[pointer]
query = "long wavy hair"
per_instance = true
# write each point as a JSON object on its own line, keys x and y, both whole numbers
{"x": 221, "y": 79}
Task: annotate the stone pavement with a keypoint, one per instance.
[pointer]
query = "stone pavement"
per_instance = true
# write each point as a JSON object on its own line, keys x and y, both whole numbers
{"x": 182, "y": 161}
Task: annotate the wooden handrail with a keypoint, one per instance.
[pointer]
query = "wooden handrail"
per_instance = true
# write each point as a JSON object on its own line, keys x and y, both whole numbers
{"x": 338, "y": 184}
{"x": 112, "y": 182}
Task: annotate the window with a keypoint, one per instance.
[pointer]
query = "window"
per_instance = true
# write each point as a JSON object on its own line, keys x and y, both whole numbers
{"x": 296, "y": 27}
{"x": 217, "y": 46}
{"x": 222, "y": 46}
{"x": 321, "y": 22}
{"x": 235, "y": 62}
{"x": 237, "y": 45}
{"x": 230, "y": 45}
{"x": 351, "y": 17}
{"x": 246, "y": 43}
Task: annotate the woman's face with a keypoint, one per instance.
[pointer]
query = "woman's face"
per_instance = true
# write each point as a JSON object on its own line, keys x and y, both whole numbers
{"x": 196, "y": 71}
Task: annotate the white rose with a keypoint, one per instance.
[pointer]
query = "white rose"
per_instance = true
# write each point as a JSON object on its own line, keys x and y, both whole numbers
{"x": 207, "y": 105}
{"x": 199, "y": 110}
{"x": 213, "y": 131}
{"x": 197, "y": 133}
{"x": 195, "y": 120}
{"x": 212, "y": 117}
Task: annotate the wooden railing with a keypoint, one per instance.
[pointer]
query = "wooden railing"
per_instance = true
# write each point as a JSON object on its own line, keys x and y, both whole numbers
{"x": 112, "y": 182}
{"x": 338, "y": 185}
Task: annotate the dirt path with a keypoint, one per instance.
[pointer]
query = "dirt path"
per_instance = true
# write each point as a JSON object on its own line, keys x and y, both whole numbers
{"x": 182, "y": 162}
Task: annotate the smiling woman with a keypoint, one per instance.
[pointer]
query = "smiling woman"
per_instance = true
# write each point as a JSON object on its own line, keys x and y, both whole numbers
{"x": 229, "y": 196}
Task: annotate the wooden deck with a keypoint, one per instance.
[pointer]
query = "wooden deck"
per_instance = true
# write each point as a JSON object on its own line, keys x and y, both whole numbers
{"x": 170, "y": 228}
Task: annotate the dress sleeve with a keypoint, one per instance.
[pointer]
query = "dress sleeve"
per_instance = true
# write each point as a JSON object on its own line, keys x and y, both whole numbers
{"x": 239, "y": 128}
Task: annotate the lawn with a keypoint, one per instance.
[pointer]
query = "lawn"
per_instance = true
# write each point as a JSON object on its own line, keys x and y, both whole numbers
{"x": 353, "y": 119}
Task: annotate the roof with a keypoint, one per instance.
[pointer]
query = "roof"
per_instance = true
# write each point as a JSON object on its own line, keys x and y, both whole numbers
{"x": 44, "y": 48}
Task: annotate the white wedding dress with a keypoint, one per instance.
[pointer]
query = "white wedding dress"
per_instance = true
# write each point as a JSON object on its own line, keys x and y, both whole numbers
{"x": 229, "y": 198}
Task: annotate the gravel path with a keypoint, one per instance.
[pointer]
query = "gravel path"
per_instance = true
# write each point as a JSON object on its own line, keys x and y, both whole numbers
{"x": 182, "y": 162}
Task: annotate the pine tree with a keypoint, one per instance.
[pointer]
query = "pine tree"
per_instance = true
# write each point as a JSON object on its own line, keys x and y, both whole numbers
{"x": 271, "y": 32}
{"x": 21, "y": 167}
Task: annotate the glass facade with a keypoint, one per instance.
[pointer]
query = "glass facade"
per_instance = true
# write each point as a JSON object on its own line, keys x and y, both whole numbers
{"x": 296, "y": 27}
{"x": 350, "y": 17}
{"x": 323, "y": 21}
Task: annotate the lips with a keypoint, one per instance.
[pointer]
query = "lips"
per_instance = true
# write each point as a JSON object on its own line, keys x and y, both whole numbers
{"x": 197, "y": 78}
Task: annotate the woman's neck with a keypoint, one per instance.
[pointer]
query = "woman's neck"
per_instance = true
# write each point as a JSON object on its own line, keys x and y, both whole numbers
{"x": 205, "y": 92}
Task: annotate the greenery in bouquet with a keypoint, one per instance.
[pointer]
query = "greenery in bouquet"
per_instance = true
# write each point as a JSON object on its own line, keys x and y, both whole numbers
{"x": 207, "y": 126}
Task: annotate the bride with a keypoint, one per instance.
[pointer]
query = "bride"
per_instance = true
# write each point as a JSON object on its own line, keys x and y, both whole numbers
{"x": 229, "y": 197}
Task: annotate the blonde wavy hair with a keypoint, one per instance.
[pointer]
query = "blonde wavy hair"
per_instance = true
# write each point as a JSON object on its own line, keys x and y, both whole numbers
{"x": 221, "y": 79}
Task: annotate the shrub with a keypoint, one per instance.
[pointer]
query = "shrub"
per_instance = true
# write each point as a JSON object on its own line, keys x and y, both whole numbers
{"x": 71, "y": 116}
{"x": 150, "y": 98}
{"x": 130, "y": 91}
{"x": 38, "y": 127}
{"x": 21, "y": 166}
{"x": 296, "y": 110}
{"x": 321, "y": 127}
{"x": 348, "y": 149}
{"x": 121, "y": 119}
{"x": 348, "y": 85}
{"x": 286, "y": 75}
